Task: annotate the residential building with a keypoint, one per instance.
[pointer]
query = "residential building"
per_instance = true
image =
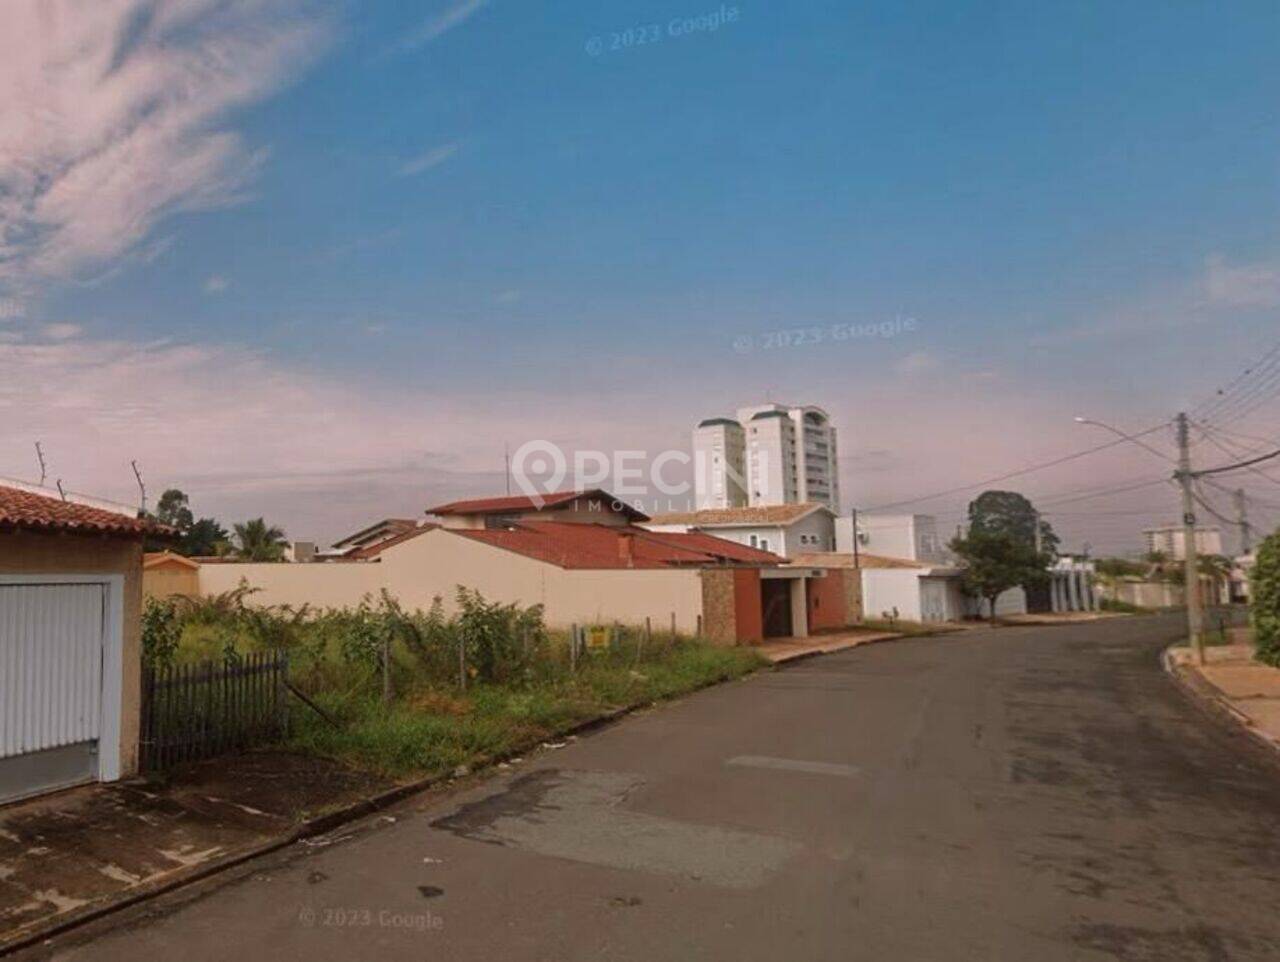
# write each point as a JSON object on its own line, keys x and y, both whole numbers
{"x": 583, "y": 556}
{"x": 720, "y": 466}
{"x": 70, "y": 641}
{"x": 771, "y": 454}
{"x": 911, "y": 536}
{"x": 1171, "y": 541}
{"x": 907, "y": 590}
{"x": 791, "y": 455}
{"x": 785, "y": 529}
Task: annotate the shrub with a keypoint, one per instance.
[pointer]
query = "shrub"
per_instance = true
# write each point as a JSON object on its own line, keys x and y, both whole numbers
{"x": 1264, "y": 597}
{"x": 161, "y": 633}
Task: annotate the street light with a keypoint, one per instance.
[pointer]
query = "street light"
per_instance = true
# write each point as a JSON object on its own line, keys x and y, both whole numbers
{"x": 1127, "y": 437}
{"x": 1184, "y": 476}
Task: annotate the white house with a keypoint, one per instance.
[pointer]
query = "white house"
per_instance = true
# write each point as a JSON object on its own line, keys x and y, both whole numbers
{"x": 785, "y": 529}
{"x": 911, "y": 536}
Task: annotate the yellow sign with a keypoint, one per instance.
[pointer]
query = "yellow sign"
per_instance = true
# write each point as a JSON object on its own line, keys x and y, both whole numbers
{"x": 598, "y": 637}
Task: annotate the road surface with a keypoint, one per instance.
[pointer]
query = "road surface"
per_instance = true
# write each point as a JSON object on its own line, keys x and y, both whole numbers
{"x": 1020, "y": 794}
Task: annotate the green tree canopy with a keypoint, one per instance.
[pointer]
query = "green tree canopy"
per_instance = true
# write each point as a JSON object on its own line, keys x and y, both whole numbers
{"x": 258, "y": 541}
{"x": 1010, "y": 513}
{"x": 996, "y": 561}
{"x": 1264, "y": 599}
{"x": 205, "y": 537}
{"x": 197, "y": 537}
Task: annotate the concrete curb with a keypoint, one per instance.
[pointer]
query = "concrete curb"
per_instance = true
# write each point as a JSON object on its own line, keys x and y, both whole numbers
{"x": 1212, "y": 701}
{"x": 311, "y": 828}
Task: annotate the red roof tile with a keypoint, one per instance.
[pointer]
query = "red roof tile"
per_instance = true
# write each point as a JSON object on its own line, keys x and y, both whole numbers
{"x": 375, "y": 549}
{"x": 578, "y": 545}
{"x": 38, "y": 512}
{"x": 522, "y": 503}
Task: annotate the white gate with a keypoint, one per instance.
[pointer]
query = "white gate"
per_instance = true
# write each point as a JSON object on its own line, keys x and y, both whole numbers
{"x": 51, "y": 671}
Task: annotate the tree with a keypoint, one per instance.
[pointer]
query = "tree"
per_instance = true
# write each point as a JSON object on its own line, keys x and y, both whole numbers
{"x": 257, "y": 541}
{"x": 1264, "y": 600}
{"x": 1010, "y": 513}
{"x": 204, "y": 538}
{"x": 174, "y": 509}
{"x": 996, "y": 561}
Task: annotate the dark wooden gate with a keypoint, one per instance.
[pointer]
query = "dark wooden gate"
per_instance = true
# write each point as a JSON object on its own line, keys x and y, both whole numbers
{"x": 191, "y": 712}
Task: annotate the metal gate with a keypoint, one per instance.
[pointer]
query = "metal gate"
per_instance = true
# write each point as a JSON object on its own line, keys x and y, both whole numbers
{"x": 51, "y": 652}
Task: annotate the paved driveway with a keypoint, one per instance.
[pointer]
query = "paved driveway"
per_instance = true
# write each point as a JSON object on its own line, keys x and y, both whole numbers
{"x": 1021, "y": 794}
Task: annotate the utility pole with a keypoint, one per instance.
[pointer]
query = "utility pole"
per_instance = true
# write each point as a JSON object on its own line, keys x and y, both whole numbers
{"x": 1242, "y": 518}
{"x": 1039, "y": 542}
{"x": 1192, "y": 567}
{"x": 853, "y": 515}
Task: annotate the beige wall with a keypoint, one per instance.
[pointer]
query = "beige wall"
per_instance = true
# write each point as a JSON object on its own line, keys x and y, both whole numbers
{"x": 436, "y": 562}
{"x": 26, "y": 553}
{"x": 164, "y": 580}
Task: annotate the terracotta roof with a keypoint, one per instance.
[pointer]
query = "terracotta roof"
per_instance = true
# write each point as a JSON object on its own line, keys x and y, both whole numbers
{"x": 832, "y": 559}
{"x": 375, "y": 549}
{"x": 523, "y": 503}
{"x": 734, "y": 517}
{"x": 38, "y": 512}
{"x": 153, "y": 559}
{"x": 581, "y": 545}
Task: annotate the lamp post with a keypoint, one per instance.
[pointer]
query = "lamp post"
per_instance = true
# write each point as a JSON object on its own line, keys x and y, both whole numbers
{"x": 1184, "y": 476}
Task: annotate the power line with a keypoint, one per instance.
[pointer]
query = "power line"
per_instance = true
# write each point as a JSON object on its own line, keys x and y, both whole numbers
{"x": 1239, "y": 387}
{"x": 1235, "y": 467}
{"x": 1019, "y": 473}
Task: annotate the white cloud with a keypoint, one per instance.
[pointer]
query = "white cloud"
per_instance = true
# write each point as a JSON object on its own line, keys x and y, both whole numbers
{"x": 424, "y": 162}
{"x": 434, "y": 27}
{"x": 508, "y": 297}
{"x": 1247, "y": 285}
{"x": 61, "y": 331}
{"x": 216, "y": 284}
{"x": 116, "y": 116}
{"x": 11, "y": 309}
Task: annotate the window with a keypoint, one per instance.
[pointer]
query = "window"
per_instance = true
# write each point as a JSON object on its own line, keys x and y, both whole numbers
{"x": 764, "y": 544}
{"x": 754, "y": 541}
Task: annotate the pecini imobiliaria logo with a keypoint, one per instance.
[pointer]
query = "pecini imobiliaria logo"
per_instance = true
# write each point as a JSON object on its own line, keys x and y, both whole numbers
{"x": 540, "y": 468}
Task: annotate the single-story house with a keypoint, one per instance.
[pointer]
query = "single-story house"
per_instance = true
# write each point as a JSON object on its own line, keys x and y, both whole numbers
{"x": 581, "y": 555}
{"x": 166, "y": 573}
{"x": 70, "y": 635}
{"x": 912, "y": 590}
{"x": 785, "y": 529}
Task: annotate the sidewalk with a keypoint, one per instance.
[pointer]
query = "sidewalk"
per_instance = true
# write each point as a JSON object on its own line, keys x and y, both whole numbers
{"x": 1247, "y": 690}
{"x": 781, "y": 650}
{"x": 69, "y": 855}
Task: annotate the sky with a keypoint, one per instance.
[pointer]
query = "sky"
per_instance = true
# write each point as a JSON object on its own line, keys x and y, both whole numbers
{"x": 323, "y": 262}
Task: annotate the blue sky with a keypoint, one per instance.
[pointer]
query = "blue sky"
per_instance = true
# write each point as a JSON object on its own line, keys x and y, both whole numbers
{"x": 465, "y": 217}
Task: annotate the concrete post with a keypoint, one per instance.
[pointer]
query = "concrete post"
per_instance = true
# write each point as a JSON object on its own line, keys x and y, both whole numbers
{"x": 799, "y": 608}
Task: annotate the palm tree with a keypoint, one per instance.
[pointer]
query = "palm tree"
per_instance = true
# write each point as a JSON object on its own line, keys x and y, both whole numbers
{"x": 256, "y": 541}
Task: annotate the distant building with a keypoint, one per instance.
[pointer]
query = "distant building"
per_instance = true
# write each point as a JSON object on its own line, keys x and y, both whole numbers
{"x": 1170, "y": 541}
{"x": 771, "y": 454}
{"x": 720, "y": 460}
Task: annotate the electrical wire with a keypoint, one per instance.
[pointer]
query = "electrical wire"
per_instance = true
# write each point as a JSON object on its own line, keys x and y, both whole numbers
{"x": 1019, "y": 473}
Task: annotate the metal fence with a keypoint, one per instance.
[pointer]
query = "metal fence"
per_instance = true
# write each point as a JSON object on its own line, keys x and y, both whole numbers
{"x": 191, "y": 712}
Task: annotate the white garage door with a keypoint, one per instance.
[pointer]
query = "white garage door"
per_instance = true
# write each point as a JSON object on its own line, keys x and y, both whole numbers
{"x": 51, "y": 655}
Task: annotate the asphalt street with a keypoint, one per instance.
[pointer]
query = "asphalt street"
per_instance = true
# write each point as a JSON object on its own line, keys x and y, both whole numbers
{"x": 1021, "y": 794}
